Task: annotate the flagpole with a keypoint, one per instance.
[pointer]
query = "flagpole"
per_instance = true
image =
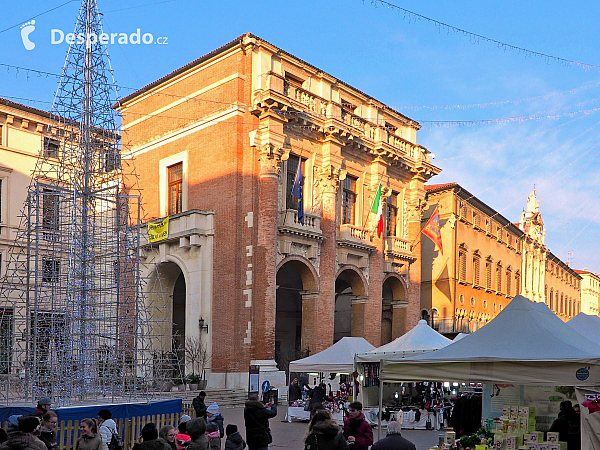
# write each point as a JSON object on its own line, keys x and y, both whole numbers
{"x": 372, "y": 203}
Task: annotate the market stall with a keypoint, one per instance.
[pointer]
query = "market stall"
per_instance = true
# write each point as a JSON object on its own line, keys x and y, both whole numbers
{"x": 339, "y": 358}
{"x": 586, "y": 325}
{"x": 526, "y": 344}
{"x": 421, "y": 339}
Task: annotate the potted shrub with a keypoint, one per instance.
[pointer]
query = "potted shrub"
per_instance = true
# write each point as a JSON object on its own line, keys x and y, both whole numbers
{"x": 193, "y": 380}
{"x": 196, "y": 353}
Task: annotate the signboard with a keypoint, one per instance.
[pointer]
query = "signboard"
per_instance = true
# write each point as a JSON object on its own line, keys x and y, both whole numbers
{"x": 266, "y": 386}
{"x": 253, "y": 382}
{"x": 157, "y": 231}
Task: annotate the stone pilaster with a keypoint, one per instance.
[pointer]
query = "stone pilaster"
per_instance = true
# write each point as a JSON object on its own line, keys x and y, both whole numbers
{"x": 359, "y": 316}
{"x": 264, "y": 305}
{"x": 310, "y": 319}
{"x": 329, "y": 181}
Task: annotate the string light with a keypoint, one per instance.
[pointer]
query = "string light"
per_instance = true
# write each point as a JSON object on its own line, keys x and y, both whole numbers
{"x": 476, "y": 38}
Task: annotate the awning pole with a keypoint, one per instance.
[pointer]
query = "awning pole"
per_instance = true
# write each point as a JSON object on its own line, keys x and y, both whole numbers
{"x": 380, "y": 407}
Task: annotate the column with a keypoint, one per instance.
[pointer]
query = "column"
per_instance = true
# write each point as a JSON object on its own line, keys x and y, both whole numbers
{"x": 399, "y": 309}
{"x": 310, "y": 319}
{"x": 329, "y": 182}
{"x": 264, "y": 304}
{"x": 359, "y": 315}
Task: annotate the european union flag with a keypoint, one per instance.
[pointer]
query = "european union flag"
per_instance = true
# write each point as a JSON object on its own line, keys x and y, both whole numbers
{"x": 297, "y": 192}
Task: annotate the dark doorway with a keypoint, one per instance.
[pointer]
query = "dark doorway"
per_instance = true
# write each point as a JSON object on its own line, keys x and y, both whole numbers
{"x": 288, "y": 318}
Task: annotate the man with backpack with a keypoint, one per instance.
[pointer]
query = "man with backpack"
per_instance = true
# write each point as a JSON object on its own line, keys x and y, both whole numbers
{"x": 108, "y": 431}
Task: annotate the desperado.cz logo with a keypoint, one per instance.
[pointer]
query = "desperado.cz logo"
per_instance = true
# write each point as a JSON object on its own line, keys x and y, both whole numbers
{"x": 58, "y": 36}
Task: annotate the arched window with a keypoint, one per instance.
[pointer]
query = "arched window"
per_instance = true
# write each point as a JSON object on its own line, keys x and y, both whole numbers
{"x": 518, "y": 282}
{"x": 562, "y": 303}
{"x": 546, "y": 299}
{"x": 476, "y": 269}
{"x": 508, "y": 281}
{"x": 552, "y": 306}
{"x": 570, "y": 307}
{"x": 488, "y": 273}
{"x": 499, "y": 277}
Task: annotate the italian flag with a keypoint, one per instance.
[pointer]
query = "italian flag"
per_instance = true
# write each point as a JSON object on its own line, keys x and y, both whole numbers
{"x": 377, "y": 208}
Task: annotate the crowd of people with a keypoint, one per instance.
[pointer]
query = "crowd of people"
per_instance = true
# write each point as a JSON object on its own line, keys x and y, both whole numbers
{"x": 204, "y": 432}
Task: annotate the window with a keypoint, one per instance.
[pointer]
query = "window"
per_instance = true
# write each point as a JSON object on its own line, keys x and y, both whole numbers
{"x": 509, "y": 240}
{"x": 392, "y": 214}
{"x": 291, "y": 202}
{"x": 0, "y": 134}
{"x": 461, "y": 299}
{"x": 462, "y": 265}
{"x": 463, "y": 211}
{"x": 499, "y": 233}
{"x": 476, "y": 270}
{"x": 175, "y": 173}
{"x": 50, "y": 210}
{"x": 488, "y": 226}
{"x": 1, "y": 215}
{"x": 488, "y": 273}
{"x": 499, "y": 277}
{"x": 50, "y": 270}
{"x": 517, "y": 282}
{"x": 476, "y": 220}
{"x": 51, "y": 147}
{"x": 112, "y": 159}
{"x": 6, "y": 332}
{"x": 349, "y": 200}
{"x": 485, "y": 304}
{"x": 472, "y": 301}
{"x": 508, "y": 281}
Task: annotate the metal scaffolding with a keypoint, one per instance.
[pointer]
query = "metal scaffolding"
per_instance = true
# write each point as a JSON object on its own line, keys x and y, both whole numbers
{"x": 76, "y": 322}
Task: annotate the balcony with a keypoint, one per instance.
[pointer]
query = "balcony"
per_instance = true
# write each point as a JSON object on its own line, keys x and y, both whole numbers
{"x": 355, "y": 237}
{"x": 190, "y": 228}
{"x": 289, "y": 224}
{"x": 397, "y": 251}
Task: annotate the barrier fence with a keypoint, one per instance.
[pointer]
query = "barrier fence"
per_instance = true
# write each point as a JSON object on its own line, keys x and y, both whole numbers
{"x": 67, "y": 432}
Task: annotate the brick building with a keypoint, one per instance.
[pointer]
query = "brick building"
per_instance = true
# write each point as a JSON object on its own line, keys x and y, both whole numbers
{"x": 226, "y": 133}
{"x": 486, "y": 261}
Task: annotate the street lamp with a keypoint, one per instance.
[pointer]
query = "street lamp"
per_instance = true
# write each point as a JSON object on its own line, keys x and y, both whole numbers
{"x": 201, "y": 325}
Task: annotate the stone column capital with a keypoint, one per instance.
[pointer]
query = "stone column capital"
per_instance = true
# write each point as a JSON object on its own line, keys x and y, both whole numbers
{"x": 270, "y": 157}
{"x": 329, "y": 178}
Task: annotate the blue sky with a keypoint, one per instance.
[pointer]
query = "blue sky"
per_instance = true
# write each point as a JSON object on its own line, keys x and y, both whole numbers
{"x": 426, "y": 71}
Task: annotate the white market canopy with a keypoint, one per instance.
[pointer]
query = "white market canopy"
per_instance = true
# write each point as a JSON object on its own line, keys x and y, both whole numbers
{"x": 588, "y": 326}
{"x": 338, "y": 358}
{"x": 421, "y": 339}
{"x": 525, "y": 344}
{"x": 459, "y": 336}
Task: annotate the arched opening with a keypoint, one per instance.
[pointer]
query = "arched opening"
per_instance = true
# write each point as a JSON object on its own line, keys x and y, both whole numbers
{"x": 294, "y": 279}
{"x": 393, "y": 290}
{"x": 349, "y": 289}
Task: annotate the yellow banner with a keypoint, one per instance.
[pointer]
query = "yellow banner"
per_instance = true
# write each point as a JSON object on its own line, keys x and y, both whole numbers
{"x": 157, "y": 231}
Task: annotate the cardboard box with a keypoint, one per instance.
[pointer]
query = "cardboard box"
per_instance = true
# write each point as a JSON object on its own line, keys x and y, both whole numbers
{"x": 531, "y": 425}
{"x": 499, "y": 442}
{"x": 511, "y": 443}
{"x": 555, "y": 446}
{"x": 532, "y": 412}
{"x": 506, "y": 410}
{"x": 552, "y": 437}
{"x": 531, "y": 446}
{"x": 542, "y": 446}
{"x": 514, "y": 412}
{"x": 450, "y": 437}
{"x": 524, "y": 423}
{"x": 524, "y": 411}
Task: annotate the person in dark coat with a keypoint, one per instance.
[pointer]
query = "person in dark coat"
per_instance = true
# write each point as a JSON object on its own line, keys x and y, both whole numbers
{"x": 256, "y": 418}
{"x": 393, "y": 440}
{"x": 568, "y": 426}
{"x": 317, "y": 395}
{"x": 199, "y": 405}
{"x": 324, "y": 433}
{"x": 234, "y": 438}
{"x": 21, "y": 437}
{"x": 294, "y": 392}
{"x": 196, "y": 428}
{"x": 150, "y": 439}
{"x": 357, "y": 429}
{"x": 47, "y": 433}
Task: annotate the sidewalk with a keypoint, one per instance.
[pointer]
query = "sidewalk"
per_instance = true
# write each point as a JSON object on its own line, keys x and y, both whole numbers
{"x": 291, "y": 435}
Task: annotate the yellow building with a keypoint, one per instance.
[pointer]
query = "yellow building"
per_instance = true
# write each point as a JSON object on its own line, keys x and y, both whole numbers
{"x": 486, "y": 260}
{"x": 590, "y": 292}
{"x": 479, "y": 271}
